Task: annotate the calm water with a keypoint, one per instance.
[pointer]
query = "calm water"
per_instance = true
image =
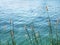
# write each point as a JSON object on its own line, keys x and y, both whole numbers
{"x": 29, "y": 15}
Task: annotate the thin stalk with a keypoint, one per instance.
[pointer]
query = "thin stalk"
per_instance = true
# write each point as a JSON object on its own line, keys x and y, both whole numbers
{"x": 28, "y": 34}
{"x": 50, "y": 33}
{"x": 12, "y": 33}
{"x": 50, "y": 27}
{"x": 5, "y": 27}
{"x": 57, "y": 31}
{"x": 39, "y": 36}
{"x": 34, "y": 34}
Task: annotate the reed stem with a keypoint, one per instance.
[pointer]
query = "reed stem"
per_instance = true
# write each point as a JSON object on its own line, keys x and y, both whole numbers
{"x": 12, "y": 32}
{"x": 25, "y": 28}
{"x": 39, "y": 40}
{"x": 50, "y": 28}
{"x": 34, "y": 35}
{"x": 57, "y": 31}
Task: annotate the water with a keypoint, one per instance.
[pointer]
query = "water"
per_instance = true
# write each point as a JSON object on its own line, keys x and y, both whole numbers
{"x": 31, "y": 12}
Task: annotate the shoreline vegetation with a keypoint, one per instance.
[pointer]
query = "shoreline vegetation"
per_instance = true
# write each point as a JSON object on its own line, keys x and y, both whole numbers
{"x": 34, "y": 38}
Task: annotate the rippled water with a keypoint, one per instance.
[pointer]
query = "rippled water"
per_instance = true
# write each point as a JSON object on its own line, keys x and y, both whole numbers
{"x": 31, "y": 16}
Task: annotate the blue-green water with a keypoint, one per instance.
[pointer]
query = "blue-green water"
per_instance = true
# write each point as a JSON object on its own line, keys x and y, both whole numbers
{"x": 29, "y": 12}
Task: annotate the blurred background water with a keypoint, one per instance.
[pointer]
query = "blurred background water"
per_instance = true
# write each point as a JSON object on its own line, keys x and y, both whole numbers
{"x": 29, "y": 12}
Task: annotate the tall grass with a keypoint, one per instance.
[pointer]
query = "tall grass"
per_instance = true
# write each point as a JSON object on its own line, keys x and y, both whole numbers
{"x": 35, "y": 38}
{"x": 12, "y": 32}
{"x": 27, "y": 34}
{"x": 57, "y": 31}
{"x": 39, "y": 38}
{"x": 34, "y": 35}
{"x": 50, "y": 28}
{"x": 50, "y": 32}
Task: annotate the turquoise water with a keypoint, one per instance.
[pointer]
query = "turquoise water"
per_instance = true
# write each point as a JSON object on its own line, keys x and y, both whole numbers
{"x": 30, "y": 12}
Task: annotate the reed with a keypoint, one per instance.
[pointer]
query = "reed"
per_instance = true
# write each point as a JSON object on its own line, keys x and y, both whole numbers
{"x": 50, "y": 28}
{"x": 39, "y": 38}
{"x": 12, "y": 32}
{"x": 27, "y": 34}
{"x": 57, "y": 31}
{"x": 34, "y": 35}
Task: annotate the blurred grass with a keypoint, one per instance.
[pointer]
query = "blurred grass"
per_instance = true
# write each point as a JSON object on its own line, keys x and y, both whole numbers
{"x": 34, "y": 38}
